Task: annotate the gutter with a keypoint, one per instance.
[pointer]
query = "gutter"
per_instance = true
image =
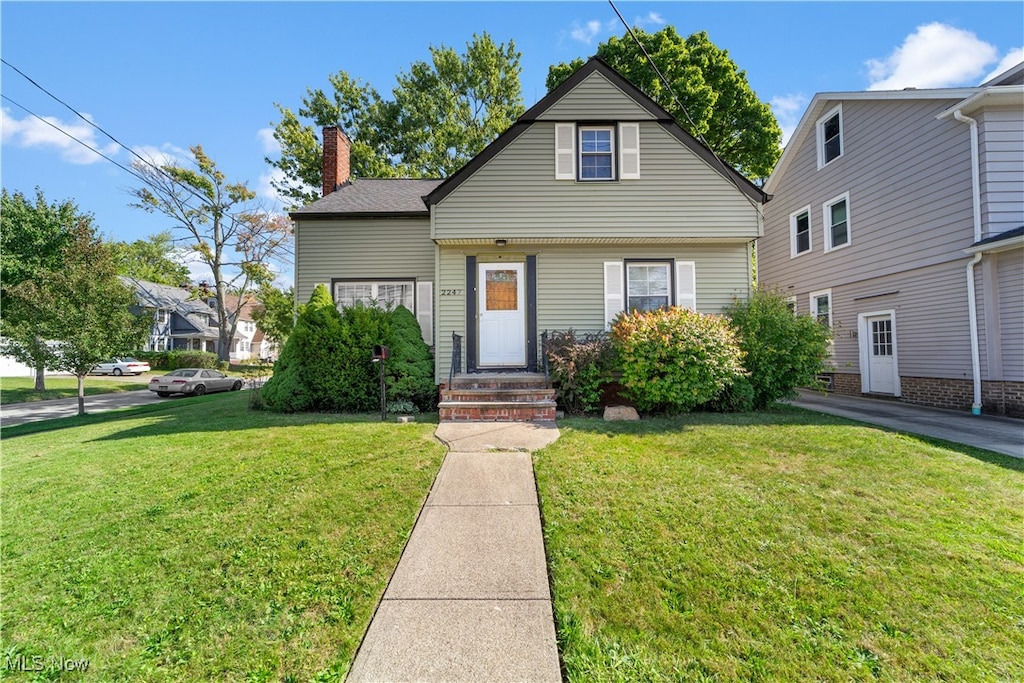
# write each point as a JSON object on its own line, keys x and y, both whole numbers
{"x": 972, "y": 303}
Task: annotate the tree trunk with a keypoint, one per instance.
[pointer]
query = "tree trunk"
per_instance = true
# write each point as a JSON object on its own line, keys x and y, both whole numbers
{"x": 40, "y": 377}
{"x": 81, "y": 394}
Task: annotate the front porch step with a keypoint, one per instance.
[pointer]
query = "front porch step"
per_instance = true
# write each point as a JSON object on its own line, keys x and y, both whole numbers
{"x": 498, "y": 397}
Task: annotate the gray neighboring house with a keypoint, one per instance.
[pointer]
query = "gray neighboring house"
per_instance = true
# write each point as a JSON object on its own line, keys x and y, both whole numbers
{"x": 897, "y": 217}
{"x": 592, "y": 202}
{"x": 180, "y": 323}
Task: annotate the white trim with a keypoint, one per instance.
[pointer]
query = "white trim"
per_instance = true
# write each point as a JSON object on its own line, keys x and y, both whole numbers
{"x": 819, "y": 127}
{"x": 565, "y": 152}
{"x": 629, "y": 151}
{"x": 686, "y": 284}
{"x": 793, "y": 253}
{"x": 813, "y": 304}
{"x": 826, "y": 218}
{"x": 425, "y": 309}
{"x": 864, "y": 342}
{"x": 612, "y": 147}
{"x": 792, "y": 300}
{"x": 614, "y": 291}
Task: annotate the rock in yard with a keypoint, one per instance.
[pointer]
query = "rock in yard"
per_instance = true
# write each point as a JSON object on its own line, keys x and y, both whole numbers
{"x": 616, "y": 413}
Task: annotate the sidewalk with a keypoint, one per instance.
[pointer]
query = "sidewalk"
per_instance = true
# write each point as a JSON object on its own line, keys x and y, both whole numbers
{"x": 1000, "y": 434}
{"x": 470, "y": 599}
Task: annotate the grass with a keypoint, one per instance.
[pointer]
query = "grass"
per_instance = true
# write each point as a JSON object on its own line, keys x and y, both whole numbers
{"x": 199, "y": 541}
{"x": 781, "y": 546}
{"x": 21, "y": 389}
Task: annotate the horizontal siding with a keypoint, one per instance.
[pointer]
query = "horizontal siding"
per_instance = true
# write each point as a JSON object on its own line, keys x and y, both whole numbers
{"x": 375, "y": 249}
{"x": 515, "y": 195}
{"x": 932, "y": 324}
{"x": 909, "y": 180}
{"x": 1010, "y": 269}
{"x": 1001, "y": 133}
{"x": 570, "y": 285}
{"x": 595, "y": 99}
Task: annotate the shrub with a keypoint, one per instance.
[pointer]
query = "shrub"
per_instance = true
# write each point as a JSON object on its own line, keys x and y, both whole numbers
{"x": 410, "y": 370}
{"x": 674, "y": 360}
{"x": 579, "y": 365}
{"x": 172, "y": 360}
{"x": 358, "y": 385}
{"x": 782, "y": 350}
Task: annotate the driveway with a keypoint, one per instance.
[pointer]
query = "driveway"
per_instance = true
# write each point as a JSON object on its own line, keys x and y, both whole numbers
{"x": 1000, "y": 434}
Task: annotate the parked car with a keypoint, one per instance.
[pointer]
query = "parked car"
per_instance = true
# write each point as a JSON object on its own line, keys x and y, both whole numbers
{"x": 193, "y": 382}
{"x": 121, "y": 366}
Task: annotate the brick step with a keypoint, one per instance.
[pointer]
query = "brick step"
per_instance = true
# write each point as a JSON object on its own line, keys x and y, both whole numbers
{"x": 496, "y": 411}
{"x": 500, "y": 395}
{"x": 500, "y": 381}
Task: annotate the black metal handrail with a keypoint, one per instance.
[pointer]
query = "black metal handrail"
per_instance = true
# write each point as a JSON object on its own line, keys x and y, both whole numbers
{"x": 456, "y": 366}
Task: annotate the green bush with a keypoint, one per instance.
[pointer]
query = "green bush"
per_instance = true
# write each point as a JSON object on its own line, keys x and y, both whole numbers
{"x": 782, "y": 350}
{"x": 172, "y": 360}
{"x": 580, "y": 366}
{"x": 674, "y": 360}
{"x": 410, "y": 370}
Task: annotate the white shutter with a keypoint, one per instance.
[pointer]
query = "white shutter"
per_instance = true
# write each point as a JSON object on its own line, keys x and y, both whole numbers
{"x": 614, "y": 302}
{"x": 565, "y": 151}
{"x": 686, "y": 284}
{"x": 629, "y": 151}
{"x": 425, "y": 310}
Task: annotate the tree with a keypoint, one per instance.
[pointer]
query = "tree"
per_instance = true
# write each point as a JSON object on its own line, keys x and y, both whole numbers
{"x": 443, "y": 113}
{"x": 82, "y": 307}
{"x": 715, "y": 101}
{"x": 232, "y": 236}
{"x": 151, "y": 259}
{"x": 32, "y": 239}
{"x": 276, "y": 313}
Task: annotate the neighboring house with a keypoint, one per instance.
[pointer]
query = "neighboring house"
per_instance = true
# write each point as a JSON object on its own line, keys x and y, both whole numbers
{"x": 593, "y": 201}
{"x": 897, "y": 218}
{"x": 180, "y": 322}
{"x": 250, "y": 342}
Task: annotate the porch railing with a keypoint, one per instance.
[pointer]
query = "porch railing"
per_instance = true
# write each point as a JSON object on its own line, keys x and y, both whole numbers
{"x": 456, "y": 366}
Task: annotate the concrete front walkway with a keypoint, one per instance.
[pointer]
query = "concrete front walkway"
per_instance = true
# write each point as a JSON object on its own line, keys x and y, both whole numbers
{"x": 470, "y": 599}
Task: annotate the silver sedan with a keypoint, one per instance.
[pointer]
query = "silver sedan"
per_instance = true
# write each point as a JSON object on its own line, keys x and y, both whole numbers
{"x": 193, "y": 382}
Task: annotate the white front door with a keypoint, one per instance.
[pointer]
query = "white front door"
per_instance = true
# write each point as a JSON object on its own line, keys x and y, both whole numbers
{"x": 881, "y": 355}
{"x": 502, "y": 315}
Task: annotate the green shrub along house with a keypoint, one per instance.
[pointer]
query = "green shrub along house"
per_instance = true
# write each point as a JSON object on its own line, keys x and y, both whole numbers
{"x": 594, "y": 201}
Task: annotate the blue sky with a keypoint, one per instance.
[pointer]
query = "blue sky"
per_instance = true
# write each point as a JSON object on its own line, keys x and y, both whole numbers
{"x": 160, "y": 77}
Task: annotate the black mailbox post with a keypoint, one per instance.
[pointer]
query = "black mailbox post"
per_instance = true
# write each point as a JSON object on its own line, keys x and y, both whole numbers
{"x": 381, "y": 354}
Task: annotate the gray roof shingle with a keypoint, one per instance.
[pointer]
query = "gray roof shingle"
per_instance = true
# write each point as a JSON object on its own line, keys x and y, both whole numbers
{"x": 373, "y": 196}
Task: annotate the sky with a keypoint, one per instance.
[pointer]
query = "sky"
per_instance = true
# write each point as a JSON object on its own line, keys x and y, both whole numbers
{"x": 161, "y": 77}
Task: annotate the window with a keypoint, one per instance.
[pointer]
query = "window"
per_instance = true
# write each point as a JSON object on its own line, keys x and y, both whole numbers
{"x": 648, "y": 286}
{"x": 800, "y": 232}
{"x": 161, "y": 316}
{"x": 791, "y": 304}
{"x": 821, "y": 307}
{"x": 597, "y": 157}
{"x": 837, "y": 222}
{"x": 386, "y": 293}
{"x": 830, "y": 136}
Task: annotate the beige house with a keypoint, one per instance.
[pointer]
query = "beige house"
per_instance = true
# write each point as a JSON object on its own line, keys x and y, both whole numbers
{"x": 592, "y": 202}
{"x": 897, "y": 217}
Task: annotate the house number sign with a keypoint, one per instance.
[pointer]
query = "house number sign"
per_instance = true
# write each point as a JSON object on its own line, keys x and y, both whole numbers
{"x": 451, "y": 292}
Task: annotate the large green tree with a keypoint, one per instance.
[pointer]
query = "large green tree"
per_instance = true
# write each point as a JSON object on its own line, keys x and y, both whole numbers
{"x": 707, "y": 94}
{"x": 275, "y": 313}
{"x": 223, "y": 225}
{"x": 32, "y": 239}
{"x": 443, "y": 113}
{"x": 152, "y": 259}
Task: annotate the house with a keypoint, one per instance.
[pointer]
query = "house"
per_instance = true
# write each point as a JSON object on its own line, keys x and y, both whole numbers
{"x": 897, "y": 218}
{"x": 180, "y": 321}
{"x": 249, "y": 342}
{"x": 595, "y": 200}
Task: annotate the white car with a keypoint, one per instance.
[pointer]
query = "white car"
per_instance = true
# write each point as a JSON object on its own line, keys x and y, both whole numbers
{"x": 121, "y": 366}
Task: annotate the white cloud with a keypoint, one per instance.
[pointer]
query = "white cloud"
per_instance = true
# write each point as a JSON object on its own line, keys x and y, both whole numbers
{"x": 934, "y": 56}
{"x": 1014, "y": 57}
{"x": 788, "y": 109}
{"x": 33, "y": 132}
{"x": 164, "y": 155}
{"x": 270, "y": 145}
{"x": 652, "y": 19}
{"x": 197, "y": 270}
{"x": 585, "y": 33}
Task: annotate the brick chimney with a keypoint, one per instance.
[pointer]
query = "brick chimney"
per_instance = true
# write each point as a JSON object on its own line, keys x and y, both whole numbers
{"x": 336, "y": 170}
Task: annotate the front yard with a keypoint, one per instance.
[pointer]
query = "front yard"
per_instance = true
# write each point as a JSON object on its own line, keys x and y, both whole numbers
{"x": 197, "y": 540}
{"x": 784, "y": 546}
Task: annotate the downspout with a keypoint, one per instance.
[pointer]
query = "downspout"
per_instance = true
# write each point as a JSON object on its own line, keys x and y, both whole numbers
{"x": 972, "y": 303}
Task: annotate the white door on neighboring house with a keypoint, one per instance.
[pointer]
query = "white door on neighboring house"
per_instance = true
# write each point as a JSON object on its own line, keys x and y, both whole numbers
{"x": 881, "y": 354}
{"x": 502, "y": 315}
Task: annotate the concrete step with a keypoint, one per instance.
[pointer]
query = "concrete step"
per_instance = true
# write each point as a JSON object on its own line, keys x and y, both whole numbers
{"x": 496, "y": 411}
{"x": 495, "y": 380}
{"x": 497, "y": 394}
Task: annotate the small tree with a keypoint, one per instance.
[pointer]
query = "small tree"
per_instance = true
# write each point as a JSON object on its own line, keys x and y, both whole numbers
{"x": 83, "y": 308}
{"x": 276, "y": 313}
{"x": 782, "y": 350}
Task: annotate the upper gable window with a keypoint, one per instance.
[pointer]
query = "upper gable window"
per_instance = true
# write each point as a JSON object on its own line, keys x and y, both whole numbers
{"x": 830, "y": 136}
{"x": 597, "y": 157}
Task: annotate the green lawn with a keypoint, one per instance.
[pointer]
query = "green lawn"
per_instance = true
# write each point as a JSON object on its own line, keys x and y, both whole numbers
{"x": 785, "y": 546}
{"x": 21, "y": 389}
{"x": 202, "y": 541}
